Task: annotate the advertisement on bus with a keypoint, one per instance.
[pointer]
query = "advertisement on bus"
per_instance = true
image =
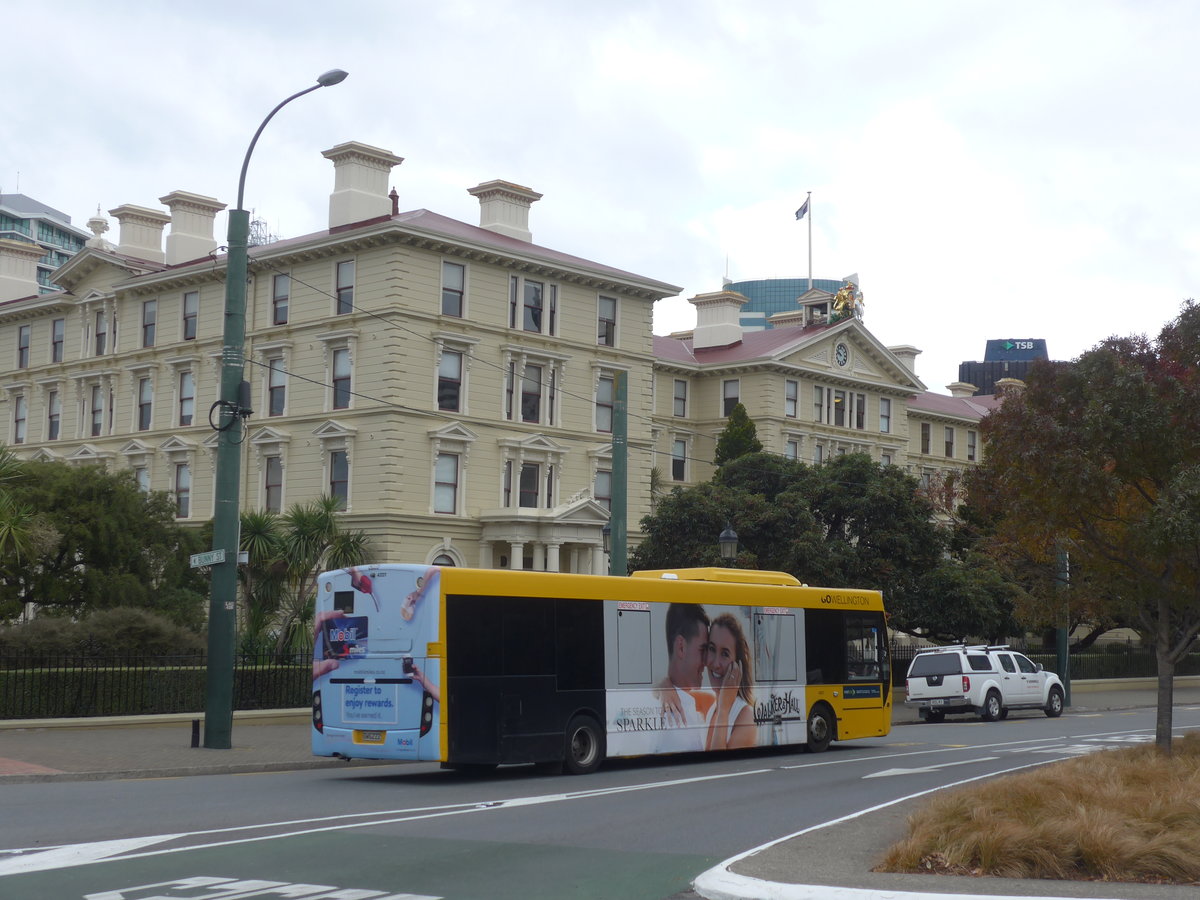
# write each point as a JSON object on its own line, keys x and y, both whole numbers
{"x": 373, "y": 687}
{"x": 715, "y": 679}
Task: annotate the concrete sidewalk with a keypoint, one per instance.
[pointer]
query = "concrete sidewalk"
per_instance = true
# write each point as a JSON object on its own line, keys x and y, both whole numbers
{"x": 35, "y": 750}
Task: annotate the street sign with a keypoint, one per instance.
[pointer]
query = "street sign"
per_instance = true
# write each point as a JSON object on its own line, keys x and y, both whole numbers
{"x": 211, "y": 558}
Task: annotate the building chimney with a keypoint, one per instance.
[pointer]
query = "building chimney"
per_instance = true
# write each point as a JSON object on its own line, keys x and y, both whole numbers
{"x": 191, "y": 235}
{"x": 717, "y": 323}
{"x": 141, "y": 231}
{"x": 360, "y": 182}
{"x": 1009, "y": 387}
{"x": 961, "y": 389}
{"x": 504, "y": 208}
{"x": 907, "y": 354}
{"x": 18, "y": 269}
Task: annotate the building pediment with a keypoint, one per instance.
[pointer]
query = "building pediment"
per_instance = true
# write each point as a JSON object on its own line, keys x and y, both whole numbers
{"x": 89, "y": 264}
{"x": 865, "y": 358}
{"x": 88, "y": 453}
{"x": 814, "y": 295}
{"x": 268, "y": 435}
{"x": 536, "y": 442}
{"x": 582, "y": 511}
{"x": 455, "y": 431}
{"x": 176, "y": 444}
{"x": 136, "y": 448}
{"x": 331, "y": 428}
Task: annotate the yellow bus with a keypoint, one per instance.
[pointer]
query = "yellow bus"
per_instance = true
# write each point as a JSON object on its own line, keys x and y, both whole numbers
{"x": 485, "y": 667}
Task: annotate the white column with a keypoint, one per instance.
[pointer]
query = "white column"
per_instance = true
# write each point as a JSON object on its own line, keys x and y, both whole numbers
{"x": 599, "y": 564}
{"x": 539, "y": 557}
{"x": 552, "y": 557}
{"x": 516, "y": 559}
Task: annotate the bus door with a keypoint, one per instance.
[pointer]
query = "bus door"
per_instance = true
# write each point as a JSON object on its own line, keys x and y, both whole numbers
{"x": 849, "y": 669}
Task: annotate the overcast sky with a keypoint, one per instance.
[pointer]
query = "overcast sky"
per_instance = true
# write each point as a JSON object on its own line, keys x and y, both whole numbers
{"x": 1011, "y": 169}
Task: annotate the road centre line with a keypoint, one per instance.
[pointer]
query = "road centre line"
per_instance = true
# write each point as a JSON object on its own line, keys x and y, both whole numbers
{"x": 78, "y": 854}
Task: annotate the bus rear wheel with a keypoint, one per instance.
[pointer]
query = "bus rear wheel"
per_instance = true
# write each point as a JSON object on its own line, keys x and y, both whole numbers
{"x": 820, "y": 729}
{"x": 584, "y": 746}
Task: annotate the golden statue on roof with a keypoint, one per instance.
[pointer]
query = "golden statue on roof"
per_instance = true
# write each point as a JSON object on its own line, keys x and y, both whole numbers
{"x": 847, "y": 302}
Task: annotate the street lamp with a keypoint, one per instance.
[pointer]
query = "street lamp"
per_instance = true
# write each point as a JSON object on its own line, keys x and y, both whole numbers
{"x": 233, "y": 406}
{"x": 729, "y": 543}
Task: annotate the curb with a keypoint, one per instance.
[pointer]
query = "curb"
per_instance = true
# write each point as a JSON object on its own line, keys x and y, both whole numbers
{"x": 261, "y": 716}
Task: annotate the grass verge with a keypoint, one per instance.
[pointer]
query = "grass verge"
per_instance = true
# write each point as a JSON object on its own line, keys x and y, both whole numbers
{"x": 1114, "y": 815}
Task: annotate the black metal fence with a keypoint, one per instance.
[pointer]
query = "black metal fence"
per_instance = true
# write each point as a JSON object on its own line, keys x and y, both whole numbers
{"x": 1099, "y": 661}
{"x": 46, "y": 687}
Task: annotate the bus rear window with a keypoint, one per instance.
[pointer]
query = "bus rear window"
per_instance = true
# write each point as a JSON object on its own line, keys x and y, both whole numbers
{"x": 935, "y": 664}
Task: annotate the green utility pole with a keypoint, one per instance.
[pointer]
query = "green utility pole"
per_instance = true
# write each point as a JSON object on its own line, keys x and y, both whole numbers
{"x": 222, "y": 606}
{"x": 619, "y": 549}
{"x": 222, "y": 609}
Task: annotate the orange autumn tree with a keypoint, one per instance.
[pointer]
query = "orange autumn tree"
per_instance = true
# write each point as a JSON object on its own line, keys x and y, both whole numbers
{"x": 1101, "y": 457}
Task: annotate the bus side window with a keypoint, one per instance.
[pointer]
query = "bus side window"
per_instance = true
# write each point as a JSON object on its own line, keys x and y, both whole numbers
{"x": 528, "y": 636}
{"x": 633, "y": 646}
{"x": 579, "y": 644}
{"x": 775, "y": 657}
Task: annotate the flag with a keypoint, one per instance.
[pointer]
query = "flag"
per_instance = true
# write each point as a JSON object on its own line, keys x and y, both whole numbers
{"x": 803, "y": 210}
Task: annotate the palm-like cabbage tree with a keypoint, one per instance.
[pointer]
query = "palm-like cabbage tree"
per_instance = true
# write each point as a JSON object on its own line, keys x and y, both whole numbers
{"x": 262, "y": 578}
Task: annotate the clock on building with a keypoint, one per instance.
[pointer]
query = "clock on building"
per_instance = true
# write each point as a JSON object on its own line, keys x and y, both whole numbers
{"x": 841, "y": 353}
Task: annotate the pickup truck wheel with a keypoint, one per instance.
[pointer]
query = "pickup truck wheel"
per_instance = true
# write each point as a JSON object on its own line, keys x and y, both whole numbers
{"x": 991, "y": 707}
{"x": 1054, "y": 704}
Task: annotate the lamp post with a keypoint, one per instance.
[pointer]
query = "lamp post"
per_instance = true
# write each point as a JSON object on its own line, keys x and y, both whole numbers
{"x": 728, "y": 542}
{"x": 233, "y": 407}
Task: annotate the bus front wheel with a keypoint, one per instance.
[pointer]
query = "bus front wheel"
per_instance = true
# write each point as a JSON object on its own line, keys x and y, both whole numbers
{"x": 585, "y": 746}
{"x": 820, "y": 729}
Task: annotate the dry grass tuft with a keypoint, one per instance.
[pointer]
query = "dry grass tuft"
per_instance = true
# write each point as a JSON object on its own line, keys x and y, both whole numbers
{"x": 1116, "y": 815}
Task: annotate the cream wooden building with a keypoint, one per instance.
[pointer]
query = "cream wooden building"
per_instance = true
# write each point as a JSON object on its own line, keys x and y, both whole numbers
{"x": 816, "y": 386}
{"x": 453, "y": 383}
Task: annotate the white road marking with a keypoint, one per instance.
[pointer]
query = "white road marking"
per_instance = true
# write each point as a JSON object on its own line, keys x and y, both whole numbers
{"x": 962, "y": 762}
{"x": 76, "y": 854}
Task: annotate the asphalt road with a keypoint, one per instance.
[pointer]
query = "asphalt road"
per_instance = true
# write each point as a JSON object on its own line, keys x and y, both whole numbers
{"x": 634, "y": 829}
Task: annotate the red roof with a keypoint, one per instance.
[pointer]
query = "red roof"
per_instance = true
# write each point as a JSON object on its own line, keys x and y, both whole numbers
{"x": 753, "y": 345}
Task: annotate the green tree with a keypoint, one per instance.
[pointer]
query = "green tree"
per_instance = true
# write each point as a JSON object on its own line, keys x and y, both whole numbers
{"x": 739, "y": 437}
{"x": 286, "y": 553}
{"x": 849, "y": 522}
{"x": 103, "y": 544}
{"x": 1099, "y": 457}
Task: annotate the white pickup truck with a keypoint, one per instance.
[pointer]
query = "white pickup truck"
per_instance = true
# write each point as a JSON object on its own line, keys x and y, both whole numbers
{"x": 987, "y": 680}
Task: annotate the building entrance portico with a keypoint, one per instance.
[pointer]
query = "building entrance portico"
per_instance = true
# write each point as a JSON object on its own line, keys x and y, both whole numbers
{"x": 567, "y": 538}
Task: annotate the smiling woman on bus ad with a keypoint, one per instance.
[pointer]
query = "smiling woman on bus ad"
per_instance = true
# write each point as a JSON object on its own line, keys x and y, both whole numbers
{"x": 731, "y": 674}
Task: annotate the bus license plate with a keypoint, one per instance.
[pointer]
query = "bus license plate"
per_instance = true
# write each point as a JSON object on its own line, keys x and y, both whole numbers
{"x": 368, "y": 737}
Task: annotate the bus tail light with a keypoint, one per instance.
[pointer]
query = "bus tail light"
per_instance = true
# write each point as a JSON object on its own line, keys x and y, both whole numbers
{"x": 426, "y": 713}
{"x": 966, "y": 685}
{"x": 318, "y": 717}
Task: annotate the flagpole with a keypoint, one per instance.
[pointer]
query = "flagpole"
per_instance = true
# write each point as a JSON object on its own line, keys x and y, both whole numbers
{"x": 808, "y": 205}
